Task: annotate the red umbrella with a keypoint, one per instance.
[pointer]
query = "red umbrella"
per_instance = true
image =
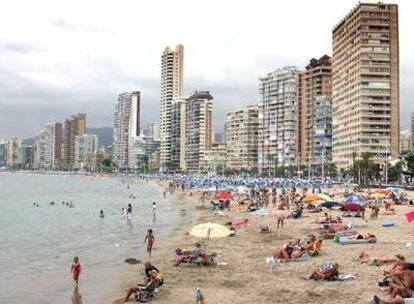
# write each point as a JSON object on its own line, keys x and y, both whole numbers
{"x": 352, "y": 207}
{"x": 223, "y": 195}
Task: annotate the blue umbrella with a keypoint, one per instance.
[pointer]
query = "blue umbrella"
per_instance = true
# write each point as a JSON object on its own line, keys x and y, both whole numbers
{"x": 262, "y": 212}
{"x": 353, "y": 199}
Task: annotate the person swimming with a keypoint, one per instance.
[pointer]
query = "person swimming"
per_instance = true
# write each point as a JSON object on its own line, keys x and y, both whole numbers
{"x": 101, "y": 214}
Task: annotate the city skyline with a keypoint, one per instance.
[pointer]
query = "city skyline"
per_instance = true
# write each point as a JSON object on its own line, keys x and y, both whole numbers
{"x": 43, "y": 80}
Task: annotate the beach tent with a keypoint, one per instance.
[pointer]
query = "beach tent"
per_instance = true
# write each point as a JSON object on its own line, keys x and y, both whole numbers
{"x": 353, "y": 199}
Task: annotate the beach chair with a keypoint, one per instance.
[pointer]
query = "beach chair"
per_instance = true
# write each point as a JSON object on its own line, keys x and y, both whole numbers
{"x": 143, "y": 294}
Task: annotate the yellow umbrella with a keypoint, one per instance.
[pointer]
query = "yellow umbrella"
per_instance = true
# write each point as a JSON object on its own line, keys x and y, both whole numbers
{"x": 377, "y": 195}
{"x": 210, "y": 230}
{"x": 311, "y": 198}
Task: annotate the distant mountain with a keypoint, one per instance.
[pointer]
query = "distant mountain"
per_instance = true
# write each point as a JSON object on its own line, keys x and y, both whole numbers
{"x": 105, "y": 135}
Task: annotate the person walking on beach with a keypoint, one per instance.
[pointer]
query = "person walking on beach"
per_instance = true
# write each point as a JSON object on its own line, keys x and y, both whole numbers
{"x": 149, "y": 239}
{"x": 154, "y": 206}
{"x": 76, "y": 269}
{"x": 200, "y": 298}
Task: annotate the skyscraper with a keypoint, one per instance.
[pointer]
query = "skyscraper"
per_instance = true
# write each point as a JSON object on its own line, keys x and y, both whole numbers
{"x": 278, "y": 119}
{"x": 126, "y": 126}
{"x": 12, "y": 148}
{"x": 241, "y": 133}
{"x": 178, "y": 139}
{"x": 86, "y": 147}
{"x": 198, "y": 130}
{"x": 316, "y": 81}
{"x": 172, "y": 72}
{"x": 365, "y": 83}
{"x": 73, "y": 126}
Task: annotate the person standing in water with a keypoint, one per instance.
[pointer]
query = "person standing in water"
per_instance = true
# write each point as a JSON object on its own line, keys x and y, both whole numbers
{"x": 129, "y": 211}
{"x": 76, "y": 269}
{"x": 101, "y": 214}
{"x": 149, "y": 239}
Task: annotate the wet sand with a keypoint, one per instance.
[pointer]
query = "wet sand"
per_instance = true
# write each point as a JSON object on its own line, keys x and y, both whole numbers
{"x": 248, "y": 279}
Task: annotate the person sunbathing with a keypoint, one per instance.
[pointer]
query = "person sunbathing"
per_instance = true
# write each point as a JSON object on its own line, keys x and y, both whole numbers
{"x": 285, "y": 253}
{"x": 364, "y": 258}
{"x": 326, "y": 272}
{"x": 194, "y": 255}
{"x": 368, "y": 236}
{"x": 151, "y": 283}
{"x": 264, "y": 228}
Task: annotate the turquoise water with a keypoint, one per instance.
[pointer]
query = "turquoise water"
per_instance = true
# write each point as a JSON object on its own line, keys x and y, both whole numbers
{"x": 37, "y": 244}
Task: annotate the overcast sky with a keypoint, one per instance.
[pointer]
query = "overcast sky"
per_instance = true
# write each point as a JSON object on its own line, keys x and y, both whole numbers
{"x": 58, "y": 58}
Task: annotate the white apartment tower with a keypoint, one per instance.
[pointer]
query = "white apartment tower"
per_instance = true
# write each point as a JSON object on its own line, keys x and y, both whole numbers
{"x": 172, "y": 72}
{"x": 278, "y": 119}
{"x": 198, "y": 130}
{"x": 126, "y": 126}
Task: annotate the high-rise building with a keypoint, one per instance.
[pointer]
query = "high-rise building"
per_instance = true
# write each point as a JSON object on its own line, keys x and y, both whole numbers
{"x": 48, "y": 147}
{"x": 126, "y": 126}
{"x": 241, "y": 134}
{"x": 2, "y": 153}
{"x": 73, "y": 126}
{"x": 412, "y": 127}
{"x": 172, "y": 73}
{"x": 154, "y": 130}
{"x": 12, "y": 148}
{"x": 86, "y": 148}
{"x": 198, "y": 130}
{"x": 178, "y": 123}
{"x": 316, "y": 81}
{"x": 365, "y": 83}
{"x": 278, "y": 119}
{"x": 406, "y": 144}
{"x": 215, "y": 158}
{"x": 140, "y": 151}
{"x": 322, "y": 145}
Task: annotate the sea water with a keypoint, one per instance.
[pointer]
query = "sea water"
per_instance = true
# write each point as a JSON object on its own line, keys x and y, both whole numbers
{"x": 37, "y": 244}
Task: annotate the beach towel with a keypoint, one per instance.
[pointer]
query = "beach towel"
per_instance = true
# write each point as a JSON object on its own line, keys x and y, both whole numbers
{"x": 347, "y": 241}
{"x": 345, "y": 277}
{"x": 271, "y": 261}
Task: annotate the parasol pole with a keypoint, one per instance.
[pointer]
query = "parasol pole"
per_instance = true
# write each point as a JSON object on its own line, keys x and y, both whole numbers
{"x": 208, "y": 238}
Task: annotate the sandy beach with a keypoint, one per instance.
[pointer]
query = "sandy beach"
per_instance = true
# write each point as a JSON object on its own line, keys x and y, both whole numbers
{"x": 249, "y": 279}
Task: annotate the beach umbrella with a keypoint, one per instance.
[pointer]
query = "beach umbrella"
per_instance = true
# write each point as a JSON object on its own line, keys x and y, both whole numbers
{"x": 377, "y": 195}
{"x": 352, "y": 207}
{"x": 394, "y": 189}
{"x": 353, "y": 199}
{"x": 330, "y": 205}
{"x": 410, "y": 216}
{"x": 224, "y": 195}
{"x": 325, "y": 197}
{"x": 382, "y": 191}
{"x": 311, "y": 198}
{"x": 210, "y": 230}
{"x": 262, "y": 212}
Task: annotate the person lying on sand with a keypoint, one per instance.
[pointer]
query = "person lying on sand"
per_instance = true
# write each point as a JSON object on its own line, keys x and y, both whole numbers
{"x": 285, "y": 253}
{"x": 264, "y": 228}
{"x": 364, "y": 258}
{"x": 327, "y": 271}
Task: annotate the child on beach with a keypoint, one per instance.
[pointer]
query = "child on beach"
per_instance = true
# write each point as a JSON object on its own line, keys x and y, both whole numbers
{"x": 76, "y": 269}
{"x": 149, "y": 239}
